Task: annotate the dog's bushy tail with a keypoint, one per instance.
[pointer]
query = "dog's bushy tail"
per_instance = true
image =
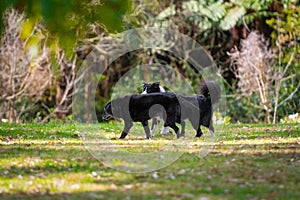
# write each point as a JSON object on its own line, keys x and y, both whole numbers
{"x": 210, "y": 89}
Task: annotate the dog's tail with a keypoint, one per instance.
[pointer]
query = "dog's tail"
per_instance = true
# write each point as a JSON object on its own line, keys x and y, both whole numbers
{"x": 210, "y": 89}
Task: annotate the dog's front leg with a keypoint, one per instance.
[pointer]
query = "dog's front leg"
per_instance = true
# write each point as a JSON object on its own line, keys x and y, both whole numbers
{"x": 182, "y": 128}
{"x": 146, "y": 128}
{"x": 199, "y": 132}
{"x": 126, "y": 129}
{"x": 211, "y": 130}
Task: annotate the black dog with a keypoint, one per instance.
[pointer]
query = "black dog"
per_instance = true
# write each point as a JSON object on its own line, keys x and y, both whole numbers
{"x": 174, "y": 108}
{"x": 142, "y": 107}
{"x": 198, "y": 110}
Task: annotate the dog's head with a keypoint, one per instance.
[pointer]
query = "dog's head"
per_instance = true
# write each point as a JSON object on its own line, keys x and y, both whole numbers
{"x": 108, "y": 115}
{"x": 151, "y": 88}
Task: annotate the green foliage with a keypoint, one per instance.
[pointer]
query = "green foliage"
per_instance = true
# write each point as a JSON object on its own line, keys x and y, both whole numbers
{"x": 218, "y": 118}
{"x": 285, "y": 38}
{"x": 232, "y": 17}
{"x": 70, "y": 20}
{"x": 253, "y": 4}
{"x": 284, "y": 44}
{"x": 219, "y": 13}
{"x": 204, "y": 16}
{"x": 286, "y": 25}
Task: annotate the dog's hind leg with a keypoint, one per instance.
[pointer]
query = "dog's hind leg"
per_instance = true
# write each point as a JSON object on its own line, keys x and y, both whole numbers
{"x": 199, "y": 132}
{"x": 126, "y": 129}
{"x": 196, "y": 125}
{"x": 171, "y": 122}
{"x": 176, "y": 129}
{"x": 146, "y": 128}
{"x": 154, "y": 127}
{"x": 182, "y": 128}
{"x": 211, "y": 130}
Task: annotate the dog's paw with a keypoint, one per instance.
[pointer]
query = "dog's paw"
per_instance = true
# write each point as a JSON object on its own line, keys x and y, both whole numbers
{"x": 151, "y": 135}
{"x": 122, "y": 137}
{"x": 167, "y": 133}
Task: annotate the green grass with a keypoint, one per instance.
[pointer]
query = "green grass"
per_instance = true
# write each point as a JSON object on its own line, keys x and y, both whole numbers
{"x": 50, "y": 161}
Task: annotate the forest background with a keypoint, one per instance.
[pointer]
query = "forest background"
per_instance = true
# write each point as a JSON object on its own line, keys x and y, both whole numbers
{"x": 255, "y": 46}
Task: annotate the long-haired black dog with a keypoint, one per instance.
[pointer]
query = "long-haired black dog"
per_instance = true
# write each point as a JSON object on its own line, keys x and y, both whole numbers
{"x": 174, "y": 108}
{"x": 141, "y": 108}
{"x": 198, "y": 110}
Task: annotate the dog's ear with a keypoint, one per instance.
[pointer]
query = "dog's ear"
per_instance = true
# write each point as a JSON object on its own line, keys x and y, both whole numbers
{"x": 155, "y": 84}
{"x": 145, "y": 85}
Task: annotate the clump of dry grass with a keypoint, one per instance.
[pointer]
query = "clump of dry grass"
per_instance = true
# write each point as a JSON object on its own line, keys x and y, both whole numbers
{"x": 25, "y": 70}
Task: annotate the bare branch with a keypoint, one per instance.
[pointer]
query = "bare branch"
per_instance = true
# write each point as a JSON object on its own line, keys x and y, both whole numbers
{"x": 290, "y": 96}
{"x": 24, "y": 77}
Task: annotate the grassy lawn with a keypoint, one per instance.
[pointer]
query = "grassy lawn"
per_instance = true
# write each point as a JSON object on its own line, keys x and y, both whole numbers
{"x": 50, "y": 161}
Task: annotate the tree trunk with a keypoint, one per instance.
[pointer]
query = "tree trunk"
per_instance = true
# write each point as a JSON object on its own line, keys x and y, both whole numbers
{"x": 87, "y": 93}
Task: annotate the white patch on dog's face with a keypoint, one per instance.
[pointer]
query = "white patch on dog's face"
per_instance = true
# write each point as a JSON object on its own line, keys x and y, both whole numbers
{"x": 162, "y": 89}
{"x": 152, "y": 88}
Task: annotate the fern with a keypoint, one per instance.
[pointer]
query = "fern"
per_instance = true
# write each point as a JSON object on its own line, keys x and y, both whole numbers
{"x": 232, "y": 17}
{"x": 168, "y": 12}
{"x": 204, "y": 16}
{"x": 192, "y": 6}
{"x": 218, "y": 11}
{"x": 253, "y": 4}
{"x": 203, "y": 23}
{"x": 215, "y": 11}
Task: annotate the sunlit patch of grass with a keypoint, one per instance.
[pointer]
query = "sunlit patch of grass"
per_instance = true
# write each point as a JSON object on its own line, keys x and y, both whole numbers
{"x": 50, "y": 161}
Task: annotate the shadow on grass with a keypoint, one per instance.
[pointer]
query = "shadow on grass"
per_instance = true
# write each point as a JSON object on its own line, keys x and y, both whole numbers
{"x": 75, "y": 158}
{"x": 252, "y": 163}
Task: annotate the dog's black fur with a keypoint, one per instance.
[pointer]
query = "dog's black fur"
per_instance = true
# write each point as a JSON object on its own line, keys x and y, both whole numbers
{"x": 140, "y": 108}
{"x": 198, "y": 110}
{"x": 175, "y": 109}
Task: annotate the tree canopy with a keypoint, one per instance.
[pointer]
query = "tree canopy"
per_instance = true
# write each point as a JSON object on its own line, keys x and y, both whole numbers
{"x": 70, "y": 20}
{"x": 70, "y": 29}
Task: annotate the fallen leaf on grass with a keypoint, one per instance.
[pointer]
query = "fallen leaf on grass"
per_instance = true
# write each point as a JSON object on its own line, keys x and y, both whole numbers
{"x": 155, "y": 175}
{"x": 171, "y": 176}
{"x": 127, "y": 187}
{"x": 113, "y": 186}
